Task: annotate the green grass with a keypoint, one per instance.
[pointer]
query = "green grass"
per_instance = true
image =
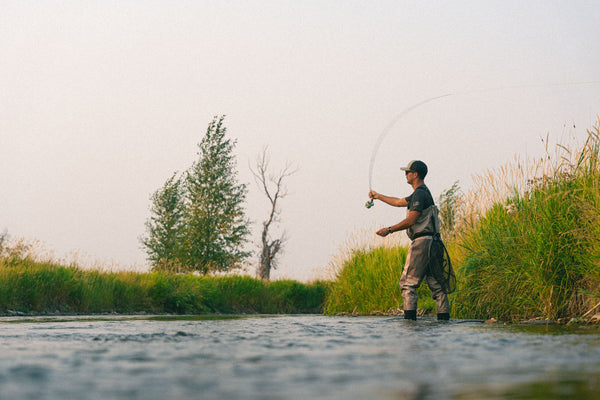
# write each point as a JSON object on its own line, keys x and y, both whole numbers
{"x": 536, "y": 262}
{"x": 32, "y": 287}
{"x": 536, "y": 254}
{"x": 368, "y": 282}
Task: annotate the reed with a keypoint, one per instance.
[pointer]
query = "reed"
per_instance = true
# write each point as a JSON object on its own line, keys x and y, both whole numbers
{"x": 527, "y": 244}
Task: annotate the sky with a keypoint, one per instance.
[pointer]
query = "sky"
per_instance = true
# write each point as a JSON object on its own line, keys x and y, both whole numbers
{"x": 102, "y": 101}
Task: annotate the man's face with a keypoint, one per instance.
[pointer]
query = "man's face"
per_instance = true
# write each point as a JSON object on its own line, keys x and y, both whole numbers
{"x": 410, "y": 177}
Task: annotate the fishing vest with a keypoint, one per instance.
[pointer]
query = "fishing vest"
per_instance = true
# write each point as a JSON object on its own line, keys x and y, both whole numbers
{"x": 427, "y": 224}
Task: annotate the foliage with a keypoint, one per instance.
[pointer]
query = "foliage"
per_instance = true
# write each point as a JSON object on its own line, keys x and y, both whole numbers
{"x": 32, "y": 287}
{"x": 164, "y": 238}
{"x": 198, "y": 222}
{"x": 368, "y": 282}
{"x": 536, "y": 254}
{"x": 448, "y": 201}
{"x": 215, "y": 225}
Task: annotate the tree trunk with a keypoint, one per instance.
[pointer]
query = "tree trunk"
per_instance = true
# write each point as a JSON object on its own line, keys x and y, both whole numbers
{"x": 269, "y": 249}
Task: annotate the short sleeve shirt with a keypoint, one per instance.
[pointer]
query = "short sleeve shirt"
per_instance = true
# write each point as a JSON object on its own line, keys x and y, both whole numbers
{"x": 420, "y": 199}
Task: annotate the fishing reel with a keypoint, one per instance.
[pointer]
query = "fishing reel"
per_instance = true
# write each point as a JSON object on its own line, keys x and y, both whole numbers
{"x": 369, "y": 203}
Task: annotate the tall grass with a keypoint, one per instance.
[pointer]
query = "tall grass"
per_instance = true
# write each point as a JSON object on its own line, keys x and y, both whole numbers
{"x": 33, "y": 287}
{"x": 366, "y": 280}
{"x": 527, "y": 244}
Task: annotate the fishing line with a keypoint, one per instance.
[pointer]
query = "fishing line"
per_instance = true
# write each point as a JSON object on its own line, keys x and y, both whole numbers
{"x": 389, "y": 127}
{"x": 397, "y": 118}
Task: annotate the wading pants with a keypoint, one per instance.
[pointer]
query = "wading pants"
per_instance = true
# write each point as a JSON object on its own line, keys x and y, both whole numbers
{"x": 415, "y": 270}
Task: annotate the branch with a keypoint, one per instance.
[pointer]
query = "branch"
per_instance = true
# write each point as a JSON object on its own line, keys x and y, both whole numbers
{"x": 280, "y": 191}
{"x": 260, "y": 175}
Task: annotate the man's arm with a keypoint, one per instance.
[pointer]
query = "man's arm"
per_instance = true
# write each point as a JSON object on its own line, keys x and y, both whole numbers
{"x": 392, "y": 201}
{"x": 406, "y": 223}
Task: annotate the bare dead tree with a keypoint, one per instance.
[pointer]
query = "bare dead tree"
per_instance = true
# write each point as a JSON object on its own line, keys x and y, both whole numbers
{"x": 274, "y": 188}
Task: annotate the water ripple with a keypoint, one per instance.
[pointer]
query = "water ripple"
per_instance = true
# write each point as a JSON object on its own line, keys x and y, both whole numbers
{"x": 292, "y": 357}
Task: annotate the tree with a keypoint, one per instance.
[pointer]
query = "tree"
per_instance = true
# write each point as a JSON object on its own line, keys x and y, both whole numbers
{"x": 198, "y": 221}
{"x": 165, "y": 226}
{"x": 270, "y": 247}
{"x": 216, "y": 228}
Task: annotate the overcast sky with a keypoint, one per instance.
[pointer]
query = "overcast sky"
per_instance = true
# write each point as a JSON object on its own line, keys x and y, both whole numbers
{"x": 102, "y": 101}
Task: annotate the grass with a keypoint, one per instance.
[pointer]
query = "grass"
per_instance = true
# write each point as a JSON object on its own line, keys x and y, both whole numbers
{"x": 367, "y": 282}
{"x": 33, "y": 287}
{"x": 534, "y": 253}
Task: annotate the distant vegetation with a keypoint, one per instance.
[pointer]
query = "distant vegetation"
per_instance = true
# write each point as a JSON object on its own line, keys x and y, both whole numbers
{"x": 198, "y": 220}
{"x": 29, "y": 286}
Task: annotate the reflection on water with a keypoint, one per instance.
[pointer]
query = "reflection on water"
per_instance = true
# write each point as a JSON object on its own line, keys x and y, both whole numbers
{"x": 293, "y": 357}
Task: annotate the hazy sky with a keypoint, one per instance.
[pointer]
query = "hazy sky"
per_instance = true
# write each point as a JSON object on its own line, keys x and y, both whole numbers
{"x": 102, "y": 101}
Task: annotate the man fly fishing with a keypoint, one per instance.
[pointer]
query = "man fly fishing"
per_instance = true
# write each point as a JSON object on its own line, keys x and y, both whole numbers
{"x": 422, "y": 227}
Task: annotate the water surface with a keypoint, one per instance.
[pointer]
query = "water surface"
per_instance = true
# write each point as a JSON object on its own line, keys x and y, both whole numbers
{"x": 293, "y": 357}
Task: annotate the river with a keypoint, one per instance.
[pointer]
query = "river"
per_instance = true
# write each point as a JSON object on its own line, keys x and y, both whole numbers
{"x": 293, "y": 357}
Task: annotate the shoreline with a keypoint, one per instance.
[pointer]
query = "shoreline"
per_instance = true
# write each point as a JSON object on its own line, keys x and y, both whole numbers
{"x": 11, "y": 316}
{"x": 422, "y": 312}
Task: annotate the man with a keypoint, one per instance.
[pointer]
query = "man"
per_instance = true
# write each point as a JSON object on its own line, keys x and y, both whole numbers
{"x": 420, "y": 224}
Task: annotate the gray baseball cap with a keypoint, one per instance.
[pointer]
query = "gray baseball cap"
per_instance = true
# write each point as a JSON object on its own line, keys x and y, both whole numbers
{"x": 416, "y": 166}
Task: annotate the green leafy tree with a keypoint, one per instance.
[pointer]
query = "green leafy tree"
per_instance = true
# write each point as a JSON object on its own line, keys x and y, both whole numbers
{"x": 198, "y": 221}
{"x": 216, "y": 228}
{"x": 164, "y": 228}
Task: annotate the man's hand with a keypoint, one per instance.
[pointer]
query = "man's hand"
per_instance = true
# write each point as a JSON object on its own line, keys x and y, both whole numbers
{"x": 392, "y": 201}
{"x": 383, "y": 232}
{"x": 406, "y": 223}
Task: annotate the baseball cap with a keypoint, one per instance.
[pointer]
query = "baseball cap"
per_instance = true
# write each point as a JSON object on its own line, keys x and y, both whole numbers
{"x": 416, "y": 166}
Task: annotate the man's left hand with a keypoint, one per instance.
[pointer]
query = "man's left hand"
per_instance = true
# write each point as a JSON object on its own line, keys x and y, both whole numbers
{"x": 383, "y": 232}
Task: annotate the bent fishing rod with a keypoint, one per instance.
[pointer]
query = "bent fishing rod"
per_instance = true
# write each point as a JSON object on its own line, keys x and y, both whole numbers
{"x": 370, "y": 203}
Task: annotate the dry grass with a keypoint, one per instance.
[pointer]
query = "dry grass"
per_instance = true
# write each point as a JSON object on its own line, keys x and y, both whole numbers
{"x": 527, "y": 239}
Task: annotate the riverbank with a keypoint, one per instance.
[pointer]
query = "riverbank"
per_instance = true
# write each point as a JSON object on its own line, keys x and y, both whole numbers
{"x": 40, "y": 288}
{"x": 29, "y": 289}
{"x": 525, "y": 244}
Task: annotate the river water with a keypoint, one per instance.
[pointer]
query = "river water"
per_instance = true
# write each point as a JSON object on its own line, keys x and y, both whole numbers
{"x": 293, "y": 357}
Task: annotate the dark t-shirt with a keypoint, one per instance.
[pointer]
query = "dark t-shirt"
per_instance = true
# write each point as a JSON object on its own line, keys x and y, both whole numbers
{"x": 420, "y": 199}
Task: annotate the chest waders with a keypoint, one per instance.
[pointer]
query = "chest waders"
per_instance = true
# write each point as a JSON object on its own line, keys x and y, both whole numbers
{"x": 424, "y": 233}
